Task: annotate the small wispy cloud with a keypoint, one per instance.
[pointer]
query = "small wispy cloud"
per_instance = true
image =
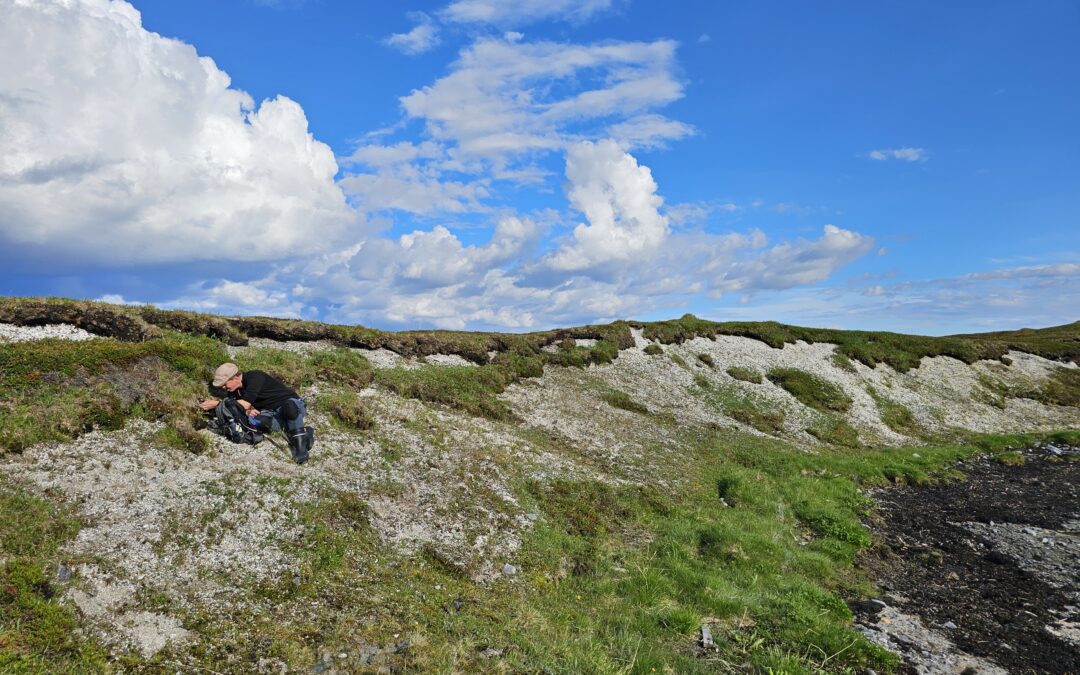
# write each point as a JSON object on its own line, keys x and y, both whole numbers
{"x": 521, "y": 12}
{"x": 703, "y": 38}
{"x": 906, "y": 154}
{"x": 424, "y": 37}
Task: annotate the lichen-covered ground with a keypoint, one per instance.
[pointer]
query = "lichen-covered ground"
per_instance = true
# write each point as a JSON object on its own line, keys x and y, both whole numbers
{"x": 174, "y": 541}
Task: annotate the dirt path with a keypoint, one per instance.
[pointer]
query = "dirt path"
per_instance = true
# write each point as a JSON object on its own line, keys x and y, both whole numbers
{"x": 990, "y": 565}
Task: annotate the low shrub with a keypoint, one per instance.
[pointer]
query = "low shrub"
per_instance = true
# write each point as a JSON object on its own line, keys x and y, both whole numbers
{"x": 653, "y": 349}
{"x": 707, "y": 360}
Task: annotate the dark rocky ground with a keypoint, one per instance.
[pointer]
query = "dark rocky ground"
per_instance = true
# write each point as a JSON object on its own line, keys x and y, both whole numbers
{"x": 990, "y": 563}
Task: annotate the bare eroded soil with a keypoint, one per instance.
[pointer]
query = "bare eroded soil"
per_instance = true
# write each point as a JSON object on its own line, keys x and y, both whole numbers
{"x": 990, "y": 563}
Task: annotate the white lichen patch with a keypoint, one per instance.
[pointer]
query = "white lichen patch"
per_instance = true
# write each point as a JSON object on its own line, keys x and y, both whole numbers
{"x": 12, "y": 333}
{"x": 105, "y": 604}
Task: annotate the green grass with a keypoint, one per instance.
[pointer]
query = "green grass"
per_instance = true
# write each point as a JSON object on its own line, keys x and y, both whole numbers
{"x": 472, "y": 389}
{"x": 810, "y": 390}
{"x": 58, "y": 390}
{"x": 895, "y": 415}
{"x": 835, "y": 432}
{"x": 748, "y": 409}
{"x": 751, "y": 375}
{"x": 37, "y": 633}
{"x": 653, "y": 349}
{"x": 622, "y": 400}
{"x": 347, "y": 409}
{"x": 706, "y": 360}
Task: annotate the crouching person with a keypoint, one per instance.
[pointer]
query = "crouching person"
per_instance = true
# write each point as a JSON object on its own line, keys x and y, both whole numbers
{"x": 267, "y": 401}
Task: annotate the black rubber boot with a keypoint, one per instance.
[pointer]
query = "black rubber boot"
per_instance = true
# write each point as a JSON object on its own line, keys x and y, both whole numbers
{"x": 298, "y": 448}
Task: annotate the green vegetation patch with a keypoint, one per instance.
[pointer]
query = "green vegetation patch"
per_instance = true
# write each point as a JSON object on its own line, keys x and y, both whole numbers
{"x": 751, "y": 375}
{"x": 1061, "y": 387}
{"x": 811, "y": 390}
{"x": 653, "y": 349}
{"x": 347, "y": 408}
{"x": 571, "y": 355}
{"x": 620, "y": 399}
{"x": 58, "y": 390}
{"x": 707, "y": 360}
{"x": 895, "y": 415}
{"x": 472, "y": 389}
{"x": 833, "y": 431}
{"x": 37, "y": 633}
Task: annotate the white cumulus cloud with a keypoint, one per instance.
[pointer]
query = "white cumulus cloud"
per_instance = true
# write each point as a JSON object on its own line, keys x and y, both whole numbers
{"x": 124, "y": 146}
{"x": 619, "y": 200}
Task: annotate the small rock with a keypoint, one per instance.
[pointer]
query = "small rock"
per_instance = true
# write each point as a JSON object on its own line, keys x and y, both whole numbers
{"x": 706, "y": 638}
{"x": 63, "y": 573}
{"x": 952, "y": 576}
{"x": 949, "y": 625}
{"x": 509, "y": 570}
{"x": 343, "y": 655}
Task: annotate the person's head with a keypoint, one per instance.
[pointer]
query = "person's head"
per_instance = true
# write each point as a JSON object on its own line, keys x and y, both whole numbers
{"x": 228, "y": 375}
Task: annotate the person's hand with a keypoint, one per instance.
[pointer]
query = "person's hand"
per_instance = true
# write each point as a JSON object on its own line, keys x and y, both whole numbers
{"x": 252, "y": 412}
{"x": 209, "y": 404}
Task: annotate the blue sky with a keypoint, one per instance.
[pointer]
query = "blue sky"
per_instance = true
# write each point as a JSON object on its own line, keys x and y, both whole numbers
{"x": 518, "y": 165}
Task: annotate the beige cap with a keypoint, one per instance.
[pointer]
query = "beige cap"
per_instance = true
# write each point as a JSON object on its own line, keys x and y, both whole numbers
{"x": 224, "y": 372}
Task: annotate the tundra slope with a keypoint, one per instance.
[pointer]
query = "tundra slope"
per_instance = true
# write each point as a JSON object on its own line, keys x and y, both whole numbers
{"x": 174, "y": 539}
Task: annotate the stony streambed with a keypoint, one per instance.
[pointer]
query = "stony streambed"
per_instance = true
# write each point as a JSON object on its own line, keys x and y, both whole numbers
{"x": 981, "y": 575}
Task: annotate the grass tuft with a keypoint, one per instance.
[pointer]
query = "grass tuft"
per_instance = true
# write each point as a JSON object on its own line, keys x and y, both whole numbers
{"x": 811, "y": 390}
{"x": 620, "y": 399}
{"x": 751, "y": 375}
{"x": 472, "y": 389}
{"x": 348, "y": 409}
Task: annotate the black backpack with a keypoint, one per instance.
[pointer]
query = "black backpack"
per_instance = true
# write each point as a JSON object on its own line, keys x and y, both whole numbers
{"x": 230, "y": 420}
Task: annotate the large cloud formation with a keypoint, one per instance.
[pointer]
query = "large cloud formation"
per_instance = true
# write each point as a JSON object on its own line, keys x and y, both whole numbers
{"x": 128, "y": 150}
{"x": 121, "y": 146}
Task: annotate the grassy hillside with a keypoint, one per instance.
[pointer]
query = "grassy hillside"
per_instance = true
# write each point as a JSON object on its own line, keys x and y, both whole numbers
{"x": 573, "y": 500}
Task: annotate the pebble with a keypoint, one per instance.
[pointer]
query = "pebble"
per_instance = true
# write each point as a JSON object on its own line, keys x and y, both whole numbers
{"x": 949, "y": 625}
{"x": 63, "y": 573}
{"x": 509, "y": 570}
